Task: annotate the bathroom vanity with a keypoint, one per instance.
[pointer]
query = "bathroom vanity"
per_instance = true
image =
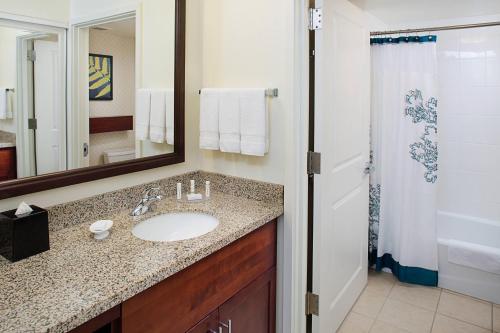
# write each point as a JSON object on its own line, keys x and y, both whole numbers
{"x": 224, "y": 281}
{"x": 234, "y": 287}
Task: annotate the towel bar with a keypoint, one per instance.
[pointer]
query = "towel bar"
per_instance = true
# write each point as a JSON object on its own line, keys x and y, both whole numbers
{"x": 272, "y": 92}
{"x": 10, "y": 89}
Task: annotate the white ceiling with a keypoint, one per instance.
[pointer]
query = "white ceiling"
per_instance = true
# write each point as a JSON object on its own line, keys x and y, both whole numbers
{"x": 124, "y": 28}
{"x": 396, "y": 12}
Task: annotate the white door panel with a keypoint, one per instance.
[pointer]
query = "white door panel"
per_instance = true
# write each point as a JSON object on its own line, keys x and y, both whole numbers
{"x": 50, "y": 133}
{"x": 342, "y": 137}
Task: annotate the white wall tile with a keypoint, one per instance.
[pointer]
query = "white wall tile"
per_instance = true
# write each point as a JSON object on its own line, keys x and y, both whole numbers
{"x": 480, "y": 101}
{"x": 480, "y": 129}
{"x": 473, "y": 69}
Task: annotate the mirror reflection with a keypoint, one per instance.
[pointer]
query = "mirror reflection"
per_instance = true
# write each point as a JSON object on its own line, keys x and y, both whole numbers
{"x": 116, "y": 104}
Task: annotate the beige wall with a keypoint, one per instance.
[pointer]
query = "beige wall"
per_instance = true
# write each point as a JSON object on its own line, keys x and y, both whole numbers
{"x": 249, "y": 44}
{"x": 122, "y": 48}
{"x": 53, "y": 10}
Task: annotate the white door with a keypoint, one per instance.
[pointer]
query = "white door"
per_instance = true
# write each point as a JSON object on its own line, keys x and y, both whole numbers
{"x": 342, "y": 118}
{"x": 49, "y": 134}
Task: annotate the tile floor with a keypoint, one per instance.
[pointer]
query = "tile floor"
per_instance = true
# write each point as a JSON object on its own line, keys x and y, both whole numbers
{"x": 389, "y": 306}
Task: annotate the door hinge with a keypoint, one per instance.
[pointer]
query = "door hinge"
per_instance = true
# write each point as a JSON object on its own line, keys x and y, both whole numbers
{"x": 312, "y": 304}
{"x": 313, "y": 163}
{"x": 31, "y": 56}
{"x": 32, "y": 124}
{"x": 315, "y": 18}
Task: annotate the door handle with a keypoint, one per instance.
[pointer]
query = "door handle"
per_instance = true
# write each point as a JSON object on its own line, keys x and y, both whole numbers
{"x": 228, "y": 325}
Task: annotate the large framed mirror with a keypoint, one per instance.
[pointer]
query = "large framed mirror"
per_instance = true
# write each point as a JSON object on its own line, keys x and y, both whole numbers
{"x": 99, "y": 99}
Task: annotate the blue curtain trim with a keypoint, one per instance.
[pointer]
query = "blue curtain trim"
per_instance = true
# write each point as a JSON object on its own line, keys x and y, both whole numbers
{"x": 405, "y": 39}
{"x": 414, "y": 275}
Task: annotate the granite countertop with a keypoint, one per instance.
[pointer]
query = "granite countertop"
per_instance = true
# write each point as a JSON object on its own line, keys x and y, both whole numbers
{"x": 80, "y": 277}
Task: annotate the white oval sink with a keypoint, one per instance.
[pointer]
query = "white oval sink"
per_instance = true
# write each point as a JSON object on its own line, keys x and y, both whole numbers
{"x": 175, "y": 226}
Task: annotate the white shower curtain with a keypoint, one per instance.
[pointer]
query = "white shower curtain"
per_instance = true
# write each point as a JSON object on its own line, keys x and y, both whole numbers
{"x": 403, "y": 186}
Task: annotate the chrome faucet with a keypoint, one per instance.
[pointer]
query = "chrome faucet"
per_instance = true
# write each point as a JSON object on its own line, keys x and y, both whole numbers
{"x": 148, "y": 198}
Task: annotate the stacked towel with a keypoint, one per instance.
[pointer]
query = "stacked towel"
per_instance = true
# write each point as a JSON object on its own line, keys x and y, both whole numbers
{"x": 477, "y": 256}
{"x": 157, "y": 118}
{"x": 142, "y": 112}
{"x": 169, "y": 105}
{"x": 234, "y": 121}
{"x": 253, "y": 122}
{"x": 229, "y": 121}
{"x": 209, "y": 119}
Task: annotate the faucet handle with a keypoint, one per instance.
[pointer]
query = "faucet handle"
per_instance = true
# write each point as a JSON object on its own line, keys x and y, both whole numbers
{"x": 148, "y": 192}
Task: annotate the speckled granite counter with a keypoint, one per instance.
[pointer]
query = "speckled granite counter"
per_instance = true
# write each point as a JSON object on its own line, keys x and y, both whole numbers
{"x": 80, "y": 277}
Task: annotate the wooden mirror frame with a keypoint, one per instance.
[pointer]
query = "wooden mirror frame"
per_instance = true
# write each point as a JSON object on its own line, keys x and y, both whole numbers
{"x": 13, "y": 188}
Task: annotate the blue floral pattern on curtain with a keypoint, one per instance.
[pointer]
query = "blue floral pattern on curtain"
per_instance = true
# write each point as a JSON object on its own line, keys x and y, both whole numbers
{"x": 374, "y": 219}
{"x": 425, "y": 151}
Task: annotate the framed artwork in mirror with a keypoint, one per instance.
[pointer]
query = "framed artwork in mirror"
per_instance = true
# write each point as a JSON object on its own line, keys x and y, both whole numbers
{"x": 100, "y": 77}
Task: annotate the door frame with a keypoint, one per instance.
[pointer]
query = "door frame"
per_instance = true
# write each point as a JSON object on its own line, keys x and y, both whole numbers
{"x": 292, "y": 274}
{"x": 77, "y": 99}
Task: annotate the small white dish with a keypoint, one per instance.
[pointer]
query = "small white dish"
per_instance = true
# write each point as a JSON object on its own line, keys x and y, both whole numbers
{"x": 100, "y": 228}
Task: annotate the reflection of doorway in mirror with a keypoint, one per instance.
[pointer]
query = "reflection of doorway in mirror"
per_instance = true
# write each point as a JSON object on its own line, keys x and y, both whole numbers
{"x": 33, "y": 137}
{"x": 111, "y": 134}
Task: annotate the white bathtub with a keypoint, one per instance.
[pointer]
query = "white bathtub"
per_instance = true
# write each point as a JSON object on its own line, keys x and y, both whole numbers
{"x": 462, "y": 279}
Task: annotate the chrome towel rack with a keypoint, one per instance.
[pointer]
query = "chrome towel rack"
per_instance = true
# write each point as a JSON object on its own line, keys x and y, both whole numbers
{"x": 271, "y": 92}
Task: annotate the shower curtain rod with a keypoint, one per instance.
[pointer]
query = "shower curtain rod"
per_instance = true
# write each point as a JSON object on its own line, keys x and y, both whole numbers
{"x": 449, "y": 27}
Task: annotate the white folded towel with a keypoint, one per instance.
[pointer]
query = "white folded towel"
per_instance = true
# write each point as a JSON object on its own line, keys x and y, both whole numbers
{"x": 480, "y": 257}
{"x": 209, "y": 119}
{"x": 157, "y": 118}
{"x": 169, "y": 106}
{"x": 10, "y": 104}
{"x": 142, "y": 111}
{"x": 229, "y": 121}
{"x": 254, "y": 122}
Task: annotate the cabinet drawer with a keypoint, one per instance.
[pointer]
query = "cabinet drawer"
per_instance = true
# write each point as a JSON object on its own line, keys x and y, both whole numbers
{"x": 176, "y": 304}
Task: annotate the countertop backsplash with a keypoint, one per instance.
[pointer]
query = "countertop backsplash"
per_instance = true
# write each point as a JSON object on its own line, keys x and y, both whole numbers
{"x": 102, "y": 205}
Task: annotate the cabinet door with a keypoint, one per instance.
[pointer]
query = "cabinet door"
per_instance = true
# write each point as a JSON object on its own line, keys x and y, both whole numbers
{"x": 208, "y": 325}
{"x": 8, "y": 166}
{"x": 253, "y": 309}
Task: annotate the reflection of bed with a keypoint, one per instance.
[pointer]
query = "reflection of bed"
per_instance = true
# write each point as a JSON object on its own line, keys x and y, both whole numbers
{"x": 8, "y": 168}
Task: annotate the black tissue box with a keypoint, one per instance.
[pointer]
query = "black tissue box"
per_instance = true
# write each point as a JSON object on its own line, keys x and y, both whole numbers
{"x": 24, "y": 236}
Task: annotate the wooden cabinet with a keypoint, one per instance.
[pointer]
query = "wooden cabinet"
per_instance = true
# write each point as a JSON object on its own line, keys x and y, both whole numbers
{"x": 208, "y": 325}
{"x": 8, "y": 165}
{"x": 236, "y": 283}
